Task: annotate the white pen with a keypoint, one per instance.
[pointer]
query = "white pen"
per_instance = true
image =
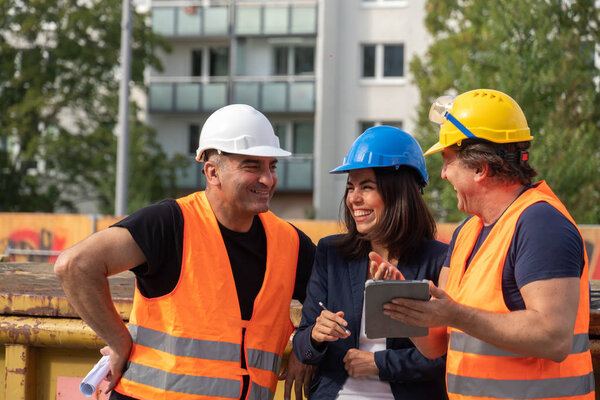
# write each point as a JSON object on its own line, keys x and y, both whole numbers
{"x": 340, "y": 325}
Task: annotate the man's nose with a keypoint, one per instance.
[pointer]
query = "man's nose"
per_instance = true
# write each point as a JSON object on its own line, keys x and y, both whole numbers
{"x": 267, "y": 177}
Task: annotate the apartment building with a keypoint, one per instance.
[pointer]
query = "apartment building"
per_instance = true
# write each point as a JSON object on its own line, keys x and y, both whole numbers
{"x": 321, "y": 70}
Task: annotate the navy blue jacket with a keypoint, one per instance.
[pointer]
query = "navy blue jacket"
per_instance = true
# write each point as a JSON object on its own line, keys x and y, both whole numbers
{"x": 339, "y": 284}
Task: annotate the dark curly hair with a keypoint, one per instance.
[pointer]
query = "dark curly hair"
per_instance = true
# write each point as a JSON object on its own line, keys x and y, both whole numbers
{"x": 507, "y": 162}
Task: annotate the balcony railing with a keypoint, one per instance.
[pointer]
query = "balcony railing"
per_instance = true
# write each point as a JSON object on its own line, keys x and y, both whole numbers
{"x": 294, "y": 173}
{"x": 250, "y": 19}
{"x": 268, "y": 94}
{"x": 190, "y": 21}
{"x": 275, "y": 20}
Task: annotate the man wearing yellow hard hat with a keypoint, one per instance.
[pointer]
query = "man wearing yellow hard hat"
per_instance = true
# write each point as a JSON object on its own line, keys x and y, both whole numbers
{"x": 512, "y": 307}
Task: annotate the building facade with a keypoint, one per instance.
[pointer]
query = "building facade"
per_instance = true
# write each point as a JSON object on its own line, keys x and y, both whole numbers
{"x": 321, "y": 70}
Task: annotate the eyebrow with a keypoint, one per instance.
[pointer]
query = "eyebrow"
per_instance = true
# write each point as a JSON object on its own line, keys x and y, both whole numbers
{"x": 250, "y": 161}
{"x": 363, "y": 182}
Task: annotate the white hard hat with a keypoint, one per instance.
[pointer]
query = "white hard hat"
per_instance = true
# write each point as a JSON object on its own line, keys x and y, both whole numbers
{"x": 239, "y": 129}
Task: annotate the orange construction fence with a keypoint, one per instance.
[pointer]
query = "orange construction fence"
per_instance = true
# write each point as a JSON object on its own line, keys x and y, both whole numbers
{"x": 41, "y": 237}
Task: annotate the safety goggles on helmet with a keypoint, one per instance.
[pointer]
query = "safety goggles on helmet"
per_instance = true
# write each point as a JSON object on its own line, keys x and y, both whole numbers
{"x": 489, "y": 115}
{"x": 440, "y": 113}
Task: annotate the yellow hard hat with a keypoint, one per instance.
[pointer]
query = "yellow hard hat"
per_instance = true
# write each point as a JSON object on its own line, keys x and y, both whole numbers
{"x": 478, "y": 114}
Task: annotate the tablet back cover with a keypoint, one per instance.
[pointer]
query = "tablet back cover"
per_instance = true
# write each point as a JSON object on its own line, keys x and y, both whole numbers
{"x": 378, "y": 292}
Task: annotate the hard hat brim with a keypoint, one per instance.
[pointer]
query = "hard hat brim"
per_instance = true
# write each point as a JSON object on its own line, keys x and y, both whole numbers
{"x": 435, "y": 148}
{"x": 264, "y": 151}
{"x": 346, "y": 167}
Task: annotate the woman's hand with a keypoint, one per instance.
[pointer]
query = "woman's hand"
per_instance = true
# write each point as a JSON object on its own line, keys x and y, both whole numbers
{"x": 360, "y": 363}
{"x": 382, "y": 269}
{"x": 327, "y": 327}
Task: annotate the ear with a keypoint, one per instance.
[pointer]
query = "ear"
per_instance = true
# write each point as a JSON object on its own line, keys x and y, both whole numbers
{"x": 212, "y": 173}
{"x": 481, "y": 172}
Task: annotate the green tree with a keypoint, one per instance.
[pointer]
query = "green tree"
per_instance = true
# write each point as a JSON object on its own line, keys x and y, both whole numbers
{"x": 59, "y": 81}
{"x": 541, "y": 53}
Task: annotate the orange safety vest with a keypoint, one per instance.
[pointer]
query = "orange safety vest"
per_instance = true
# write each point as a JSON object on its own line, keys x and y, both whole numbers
{"x": 478, "y": 370}
{"x": 187, "y": 344}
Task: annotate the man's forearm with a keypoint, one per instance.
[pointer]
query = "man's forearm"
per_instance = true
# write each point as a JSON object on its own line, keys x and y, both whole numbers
{"x": 524, "y": 332}
{"x": 88, "y": 293}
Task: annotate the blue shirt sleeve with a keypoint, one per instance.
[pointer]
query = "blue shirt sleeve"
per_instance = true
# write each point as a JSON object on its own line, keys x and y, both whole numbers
{"x": 546, "y": 245}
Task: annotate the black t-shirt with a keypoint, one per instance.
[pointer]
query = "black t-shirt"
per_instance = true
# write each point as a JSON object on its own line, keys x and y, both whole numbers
{"x": 158, "y": 231}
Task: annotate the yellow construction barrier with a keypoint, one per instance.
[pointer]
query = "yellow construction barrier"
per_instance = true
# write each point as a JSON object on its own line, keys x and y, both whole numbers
{"x": 47, "y": 349}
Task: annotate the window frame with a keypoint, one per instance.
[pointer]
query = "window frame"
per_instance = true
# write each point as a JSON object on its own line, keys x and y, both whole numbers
{"x": 206, "y": 58}
{"x": 373, "y": 123}
{"x": 379, "y": 64}
{"x": 291, "y": 59}
{"x": 384, "y": 3}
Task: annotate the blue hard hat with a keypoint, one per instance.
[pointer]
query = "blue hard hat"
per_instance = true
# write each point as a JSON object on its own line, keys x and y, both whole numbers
{"x": 384, "y": 146}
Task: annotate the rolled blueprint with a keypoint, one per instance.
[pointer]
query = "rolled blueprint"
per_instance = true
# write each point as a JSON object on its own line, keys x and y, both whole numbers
{"x": 94, "y": 377}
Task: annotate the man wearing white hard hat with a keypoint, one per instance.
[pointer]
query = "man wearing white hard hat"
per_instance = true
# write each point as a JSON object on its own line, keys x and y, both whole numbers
{"x": 215, "y": 274}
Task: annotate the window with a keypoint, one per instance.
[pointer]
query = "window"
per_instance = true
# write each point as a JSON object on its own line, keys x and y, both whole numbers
{"x": 304, "y": 138}
{"x": 218, "y": 61}
{"x": 194, "y": 138}
{"x": 368, "y": 61}
{"x": 304, "y": 60}
{"x": 196, "y": 62}
{"x": 364, "y": 125}
{"x": 280, "y": 60}
{"x": 382, "y": 61}
{"x": 297, "y": 137}
{"x": 393, "y": 60}
{"x": 293, "y": 60}
{"x": 281, "y": 132}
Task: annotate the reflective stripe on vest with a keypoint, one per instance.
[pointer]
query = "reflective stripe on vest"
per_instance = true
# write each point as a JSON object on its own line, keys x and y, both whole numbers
{"x": 189, "y": 384}
{"x": 521, "y": 389}
{"x": 206, "y": 349}
{"x": 258, "y": 392}
{"x": 468, "y": 344}
{"x": 180, "y": 346}
{"x": 263, "y": 360}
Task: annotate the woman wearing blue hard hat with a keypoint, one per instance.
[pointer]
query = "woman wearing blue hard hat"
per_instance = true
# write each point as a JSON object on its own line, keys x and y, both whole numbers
{"x": 384, "y": 212}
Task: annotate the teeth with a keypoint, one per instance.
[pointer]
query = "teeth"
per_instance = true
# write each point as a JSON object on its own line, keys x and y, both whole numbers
{"x": 362, "y": 213}
{"x": 259, "y": 192}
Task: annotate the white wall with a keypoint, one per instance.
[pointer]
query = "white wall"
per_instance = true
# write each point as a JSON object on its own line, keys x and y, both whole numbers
{"x": 343, "y": 98}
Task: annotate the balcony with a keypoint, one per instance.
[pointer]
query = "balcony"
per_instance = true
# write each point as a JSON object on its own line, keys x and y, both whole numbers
{"x": 191, "y": 21}
{"x": 272, "y": 20}
{"x": 291, "y": 94}
{"x": 294, "y": 173}
{"x": 249, "y": 20}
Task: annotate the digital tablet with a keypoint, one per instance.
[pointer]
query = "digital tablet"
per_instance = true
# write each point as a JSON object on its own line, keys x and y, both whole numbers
{"x": 378, "y": 292}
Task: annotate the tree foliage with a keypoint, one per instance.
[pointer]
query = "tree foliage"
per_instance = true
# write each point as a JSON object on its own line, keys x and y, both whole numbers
{"x": 59, "y": 81}
{"x": 541, "y": 53}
